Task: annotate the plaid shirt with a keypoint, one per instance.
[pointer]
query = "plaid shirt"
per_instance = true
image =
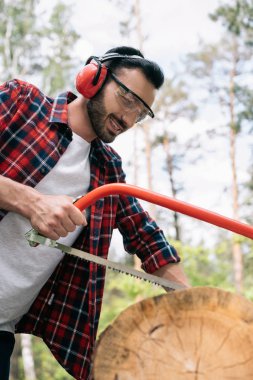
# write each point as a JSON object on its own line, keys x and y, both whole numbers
{"x": 34, "y": 134}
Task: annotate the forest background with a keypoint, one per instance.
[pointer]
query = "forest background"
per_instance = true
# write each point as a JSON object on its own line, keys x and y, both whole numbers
{"x": 198, "y": 148}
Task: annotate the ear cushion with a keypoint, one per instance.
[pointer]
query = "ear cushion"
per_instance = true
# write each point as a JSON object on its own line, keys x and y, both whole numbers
{"x": 86, "y": 82}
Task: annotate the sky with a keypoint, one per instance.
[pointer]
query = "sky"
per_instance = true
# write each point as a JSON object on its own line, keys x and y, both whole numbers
{"x": 172, "y": 29}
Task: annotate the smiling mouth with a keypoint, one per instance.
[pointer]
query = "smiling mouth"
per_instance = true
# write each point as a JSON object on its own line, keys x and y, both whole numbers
{"x": 115, "y": 127}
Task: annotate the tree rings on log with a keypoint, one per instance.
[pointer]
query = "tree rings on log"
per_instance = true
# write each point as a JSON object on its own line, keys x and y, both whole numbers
{"x": 194, "y": 334}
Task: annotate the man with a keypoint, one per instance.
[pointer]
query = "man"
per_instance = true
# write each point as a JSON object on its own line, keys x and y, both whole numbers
{"x": 52, "y": 150}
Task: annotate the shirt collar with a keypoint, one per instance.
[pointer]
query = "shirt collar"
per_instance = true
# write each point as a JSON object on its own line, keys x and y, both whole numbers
{"x": 103, "y": 152}
{"x": 59, "y": 113}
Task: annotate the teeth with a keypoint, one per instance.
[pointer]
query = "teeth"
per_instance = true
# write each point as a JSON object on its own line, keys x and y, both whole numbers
{"x": 116, "y": 126}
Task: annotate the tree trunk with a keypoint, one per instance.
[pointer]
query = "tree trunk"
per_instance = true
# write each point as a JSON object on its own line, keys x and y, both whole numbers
{"x": 145, "y": 128}
{"x": 194, "y": 334}
{"x": 14, "y": 370}
{"x": 135, "y": 157}
{"x": 27, "y": 355}
{"x": 148, "y": 151}
{"x": 236, "y": 248}
{"x": 170, "y": 168}
{"x": 137, "y": 15}
{"x": 136, "y": 260}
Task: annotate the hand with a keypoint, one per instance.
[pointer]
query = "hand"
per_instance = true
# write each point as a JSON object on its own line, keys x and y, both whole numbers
{"x": 173, "y": 272}
{"x": 54, "y": 216}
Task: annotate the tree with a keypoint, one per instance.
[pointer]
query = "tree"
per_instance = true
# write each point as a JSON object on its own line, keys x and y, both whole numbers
{"x": 29, "y": 47}
{"x": 222, "y": 67}
{"x": 19, "y": 38}
{"x": 172, "y": 103}
{"x": 27, "y": 355}
{"x": 17, "y": 56}
{"x": 59, "y": 61}
{"x": 237, "y": 19}
{"x": 248, "y": 199}
{"x": 22, "y": 38}
{"x": 131, "y": 28}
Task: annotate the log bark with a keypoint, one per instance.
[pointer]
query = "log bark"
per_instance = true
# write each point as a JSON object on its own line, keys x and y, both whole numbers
{"x": 193, "y": 334}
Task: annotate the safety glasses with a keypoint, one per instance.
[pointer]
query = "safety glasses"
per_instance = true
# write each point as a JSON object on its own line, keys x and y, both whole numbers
{"x": 131, "y": 101}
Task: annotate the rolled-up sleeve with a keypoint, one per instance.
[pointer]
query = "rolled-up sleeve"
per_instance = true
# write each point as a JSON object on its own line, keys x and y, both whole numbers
{"x": 10, "y": 93}
{"x": 142, "y": 236}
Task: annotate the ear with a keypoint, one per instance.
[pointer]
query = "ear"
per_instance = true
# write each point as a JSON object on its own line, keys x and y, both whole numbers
{"x": 91, "y": 78}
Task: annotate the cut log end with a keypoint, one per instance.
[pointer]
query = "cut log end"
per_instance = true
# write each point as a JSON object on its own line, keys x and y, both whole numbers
{"x": 193, "y": 334}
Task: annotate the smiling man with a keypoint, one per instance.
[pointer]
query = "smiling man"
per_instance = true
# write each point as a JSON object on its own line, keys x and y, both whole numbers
{"x": 51, "y": 151}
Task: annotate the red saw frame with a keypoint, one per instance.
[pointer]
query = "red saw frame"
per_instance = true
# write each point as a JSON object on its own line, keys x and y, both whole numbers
{"x": 168, "y": 202}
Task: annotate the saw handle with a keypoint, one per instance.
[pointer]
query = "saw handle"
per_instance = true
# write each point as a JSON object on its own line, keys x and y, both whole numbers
{"x": 167, "y": 202}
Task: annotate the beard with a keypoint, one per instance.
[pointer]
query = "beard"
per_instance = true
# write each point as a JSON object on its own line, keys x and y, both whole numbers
{"x": 97, "y": 114}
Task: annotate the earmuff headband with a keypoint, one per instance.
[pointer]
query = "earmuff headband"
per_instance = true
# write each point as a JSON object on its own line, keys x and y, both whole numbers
{"x": 109, "y": 56}
{"x": 92, "y": 77}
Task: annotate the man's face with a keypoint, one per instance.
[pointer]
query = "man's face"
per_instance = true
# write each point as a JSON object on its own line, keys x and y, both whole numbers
{"x": 113, "y": 111}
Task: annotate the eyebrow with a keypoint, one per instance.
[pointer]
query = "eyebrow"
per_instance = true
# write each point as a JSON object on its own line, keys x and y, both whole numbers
{"x": 151, "y": 113}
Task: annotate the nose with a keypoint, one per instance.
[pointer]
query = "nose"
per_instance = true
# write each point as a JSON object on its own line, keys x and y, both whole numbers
{"x": 129, "y": 118}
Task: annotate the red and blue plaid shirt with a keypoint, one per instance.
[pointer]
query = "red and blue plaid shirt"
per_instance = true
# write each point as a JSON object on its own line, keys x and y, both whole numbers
{"x": 34, "y": 134}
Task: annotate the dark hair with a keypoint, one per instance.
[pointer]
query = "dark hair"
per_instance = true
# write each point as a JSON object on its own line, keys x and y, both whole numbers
{"x": 150, "y": 69}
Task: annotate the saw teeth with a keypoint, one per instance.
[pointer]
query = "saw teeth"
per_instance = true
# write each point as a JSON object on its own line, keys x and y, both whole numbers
{"x": 34, "y": 237}
{"x": 127, "y": 274}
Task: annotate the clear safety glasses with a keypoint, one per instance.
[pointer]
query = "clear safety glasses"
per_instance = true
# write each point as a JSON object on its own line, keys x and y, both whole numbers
{"x": 131, "y": 101}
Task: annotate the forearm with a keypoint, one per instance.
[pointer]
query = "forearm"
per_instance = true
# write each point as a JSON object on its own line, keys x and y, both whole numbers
{"x": 17, "y": 197}
{"x": 53, "y": 216}
{"x": 173, "y": 272}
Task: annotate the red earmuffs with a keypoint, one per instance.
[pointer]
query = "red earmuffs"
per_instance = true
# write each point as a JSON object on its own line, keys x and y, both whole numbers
{"x": 93, "y": 75}
{"x": 90, "y": 79}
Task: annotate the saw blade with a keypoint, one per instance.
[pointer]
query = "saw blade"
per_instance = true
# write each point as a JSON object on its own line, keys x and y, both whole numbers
{"x": 34, "y": 238}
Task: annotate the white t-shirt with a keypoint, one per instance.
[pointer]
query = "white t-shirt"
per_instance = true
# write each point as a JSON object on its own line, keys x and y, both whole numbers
{"x": 25, "y": 269}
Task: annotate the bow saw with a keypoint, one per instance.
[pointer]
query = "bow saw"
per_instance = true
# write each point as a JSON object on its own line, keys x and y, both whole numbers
{"x": 34, "y": 238}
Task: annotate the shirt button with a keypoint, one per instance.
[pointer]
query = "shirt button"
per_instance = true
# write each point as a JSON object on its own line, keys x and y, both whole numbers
{"x": 60, "y": 149}
{"x": 43, "y": 171}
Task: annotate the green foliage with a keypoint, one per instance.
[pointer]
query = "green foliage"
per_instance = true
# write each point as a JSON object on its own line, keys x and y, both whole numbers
{"x": 122, "y": 291}
{"x": 19, "y": 37}
{"x": 247, "y": 245}
{"x": 61, "y": 39}
{"x": 173, "y": 101}
{"x": 246, "y": 98}
{"x": 214, "y": 267}
{"x": 46, "y": 366}
{"x": 32, "y": 44}
{"x": 223, "y": 68}
{"x": 206, "y": 267}
{"x": 236, "y": 17}
{"x": 248, "y": 203}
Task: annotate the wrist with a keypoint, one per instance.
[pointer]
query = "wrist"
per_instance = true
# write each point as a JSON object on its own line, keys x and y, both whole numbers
{"x": 17, "y": 197}
{"x": 26, "y": 203}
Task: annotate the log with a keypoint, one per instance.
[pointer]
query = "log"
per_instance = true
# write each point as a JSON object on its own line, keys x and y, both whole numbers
{"x": 195, "y": 334}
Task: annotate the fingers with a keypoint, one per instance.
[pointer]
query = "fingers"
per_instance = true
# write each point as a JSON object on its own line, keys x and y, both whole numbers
{"x": 78, "y": 217}
{"x": 56, "y": 216}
